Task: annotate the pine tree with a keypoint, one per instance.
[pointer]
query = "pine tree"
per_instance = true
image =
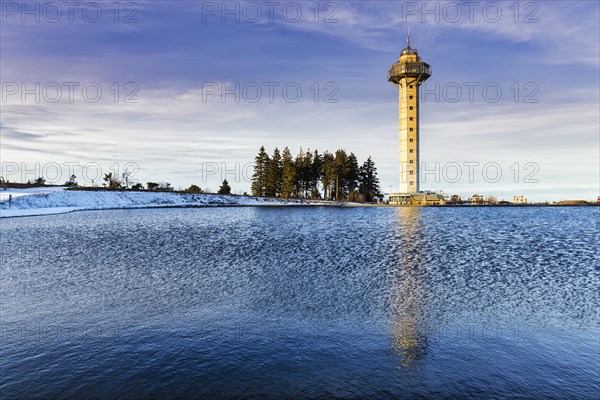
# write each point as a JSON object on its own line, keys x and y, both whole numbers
{"x": 369, "y": 183}
{"x": 261, "y": 168}
{"x": 328, "y": 175}
{"x": 298, "y": 175}
{"x": 341, "y": 174}
{"x": 302, "y": 163}
{"x": 193, "y": 189}
{"x": 352, "y": 173}
{"x": 316, "y": 171}
{"x": 288, "y": 174}
{"x": 274, "y": 184}
{"x": 225, "y": 188}
{"x": 307, "y": 161}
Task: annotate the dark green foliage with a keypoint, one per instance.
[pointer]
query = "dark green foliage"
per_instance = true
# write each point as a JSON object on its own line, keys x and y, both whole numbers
{"x": 316, "y": 171}
{"x": 137, "y": 186}
{"x": 314, "y": 175}
{"x": 194, "y": 189}
{"x": 71, "y": 182}
{"x": 328, "y": 176}
{"x": 369, "y": 183}
{"x": 40, "y": 181}
{"x": 225, "y": 188}
{"x": 352, "y": 174}
{"x": 166, "y": 186}
{"x": 274, "y": 184}
{"x": 261, "y": 172}
{"x": 288, "y": 171}
{"x": 112, "y": 182}
{"x": 160, "y": 186}
{"x": 303, "y": 173}
{"x": 341, "y": 174}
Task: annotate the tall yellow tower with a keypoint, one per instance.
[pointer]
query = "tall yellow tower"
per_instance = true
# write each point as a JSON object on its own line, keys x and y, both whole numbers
{"x": 408, "y": 74}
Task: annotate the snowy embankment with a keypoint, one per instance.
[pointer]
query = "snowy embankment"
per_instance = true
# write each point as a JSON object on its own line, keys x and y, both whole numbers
{"x": 56, "y": 200}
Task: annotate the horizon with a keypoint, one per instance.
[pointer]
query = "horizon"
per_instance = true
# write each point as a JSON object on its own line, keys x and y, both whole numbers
{"x": 176, "y": 92}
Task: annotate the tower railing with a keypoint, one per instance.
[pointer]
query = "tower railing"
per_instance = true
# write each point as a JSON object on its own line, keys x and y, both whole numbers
{"x": 409, "y": 69}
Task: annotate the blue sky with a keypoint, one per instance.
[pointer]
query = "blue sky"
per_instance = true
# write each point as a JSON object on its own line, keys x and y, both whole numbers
{"x": 181, "y": 132}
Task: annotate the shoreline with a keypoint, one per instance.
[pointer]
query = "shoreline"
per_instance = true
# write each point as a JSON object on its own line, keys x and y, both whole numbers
{"x": 59, "y": 211}
{"x": 30, "y": 202}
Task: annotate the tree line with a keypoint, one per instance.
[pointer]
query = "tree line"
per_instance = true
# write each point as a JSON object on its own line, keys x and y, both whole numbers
{"x": 329, "y": 176}
{"x": 114, "y": 183}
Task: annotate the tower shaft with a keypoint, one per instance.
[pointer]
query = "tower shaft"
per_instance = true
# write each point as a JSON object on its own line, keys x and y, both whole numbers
{"x": 408, "y": 73}
{"x": 408, "y": 102}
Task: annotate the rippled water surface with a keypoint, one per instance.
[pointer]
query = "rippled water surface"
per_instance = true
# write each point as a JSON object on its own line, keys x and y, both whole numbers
{"x": 302, "y": 303}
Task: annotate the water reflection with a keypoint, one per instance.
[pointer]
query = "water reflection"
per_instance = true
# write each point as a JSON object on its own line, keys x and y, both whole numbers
{"x": 301, "y": 303}
{"x": 408, "y": 318}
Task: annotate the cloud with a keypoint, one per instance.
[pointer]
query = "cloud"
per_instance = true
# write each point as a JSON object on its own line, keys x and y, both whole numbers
{"x": 177, "y": 125}
{"x": 562, "y": 32}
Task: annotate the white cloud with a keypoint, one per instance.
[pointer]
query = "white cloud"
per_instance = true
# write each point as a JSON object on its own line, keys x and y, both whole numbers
{"x": 171, "y": 131}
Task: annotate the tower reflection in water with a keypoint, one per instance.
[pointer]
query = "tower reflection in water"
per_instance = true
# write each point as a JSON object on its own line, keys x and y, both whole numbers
{"x": 408, "y": 324}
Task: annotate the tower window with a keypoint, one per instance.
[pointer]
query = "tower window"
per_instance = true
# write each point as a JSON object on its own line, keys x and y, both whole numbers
{"x": 411, "y": 151}
{"x": 411, "y": 97}
{"x": 410, "y": 86}
{"x": 410, "y": 107}
{"x": 410, "y": 118}
{"x": 411, "y": 161}
{"x": 411, "y": 129}
{"x": 412, "y": 182}
{"x": 411, "y": 140}
{"x": 411, "y": 172}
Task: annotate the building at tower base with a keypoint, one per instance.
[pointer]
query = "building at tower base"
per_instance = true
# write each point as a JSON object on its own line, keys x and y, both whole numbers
{"x": 416, "y": 199}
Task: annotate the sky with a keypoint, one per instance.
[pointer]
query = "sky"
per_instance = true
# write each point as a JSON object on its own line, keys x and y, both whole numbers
{"x": 186, "y": 91}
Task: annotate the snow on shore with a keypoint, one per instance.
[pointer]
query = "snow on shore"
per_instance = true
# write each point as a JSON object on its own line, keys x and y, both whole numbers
{"x": 56, "y": 200}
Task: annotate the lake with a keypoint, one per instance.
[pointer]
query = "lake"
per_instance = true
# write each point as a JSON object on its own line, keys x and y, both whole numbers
{"x": 302, "y": 302}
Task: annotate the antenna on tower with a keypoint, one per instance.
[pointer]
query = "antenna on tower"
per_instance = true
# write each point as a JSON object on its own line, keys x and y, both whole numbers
{"x": 408, "y": 38}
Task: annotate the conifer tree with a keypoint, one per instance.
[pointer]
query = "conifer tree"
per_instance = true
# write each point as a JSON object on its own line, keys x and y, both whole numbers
{"x": 288, "y": 174}
{"x": 316, "y": 171}
{"x": 341, "y": 174}
{"x": 274, "y": 182}
{"x": 225, "y": 188}
{"x": 328, "y": 175}
{"x": 369, "y": 183}
{"x": 352, "y": 173}
{"x": 307, "y": 162}
{"x": 302, "y": 163}
{"x": 261, "y": 168}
